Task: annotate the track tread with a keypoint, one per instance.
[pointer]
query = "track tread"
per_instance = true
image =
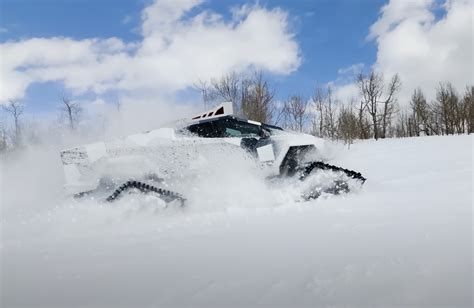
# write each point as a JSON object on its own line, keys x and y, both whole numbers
{"x": 307, "y": 169}
{"x": 145, "y": 188}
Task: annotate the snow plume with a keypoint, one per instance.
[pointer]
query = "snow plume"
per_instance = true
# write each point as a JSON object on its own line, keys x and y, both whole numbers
{"x": 136, "y": 114}
{"x": 179, "y": 46}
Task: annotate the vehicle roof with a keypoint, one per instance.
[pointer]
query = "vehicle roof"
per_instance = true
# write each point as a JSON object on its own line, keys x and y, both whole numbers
{"x": 233, "y": 117}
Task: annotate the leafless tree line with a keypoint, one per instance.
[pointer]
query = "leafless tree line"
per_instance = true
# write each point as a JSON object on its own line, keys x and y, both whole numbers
{"x": 251, "y": 96}
{"x": 449, "y": 114}
{"x": 321, "y": 115}
{"x": 69, "y": 113}
{"x": 70, "y": 110}
{"x": 376, "y": 114}
{"x": 378, "y": 100}
{"x": 15, "y": 108}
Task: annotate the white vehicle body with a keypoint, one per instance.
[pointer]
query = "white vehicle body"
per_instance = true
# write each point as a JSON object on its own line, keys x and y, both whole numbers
{"x": 174, "y": 152}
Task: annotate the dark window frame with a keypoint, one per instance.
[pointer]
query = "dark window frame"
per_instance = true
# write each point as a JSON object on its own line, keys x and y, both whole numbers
{"x": 216, "y": 128}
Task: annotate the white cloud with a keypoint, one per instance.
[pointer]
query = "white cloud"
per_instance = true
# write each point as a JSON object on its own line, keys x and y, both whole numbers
{"x": 3, "y": 30}
{"x": 346, "y": 93}
{"x": 175, "y": 51}
{"x": 351, "y": 70}
{"x": 82, "y": 65}
{"x": 396, "y": 12}
{"x": 423, "y": 50}
{"x": 344, "y": 87}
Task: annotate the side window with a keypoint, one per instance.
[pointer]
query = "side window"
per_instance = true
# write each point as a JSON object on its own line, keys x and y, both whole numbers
{"x": 230, "y": 132}
{"x": 228, "y": 127}
{"x": 234, "y": 128}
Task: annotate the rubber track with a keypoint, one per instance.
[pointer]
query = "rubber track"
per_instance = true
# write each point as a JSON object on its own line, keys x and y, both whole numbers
{"x": 164, "y": 194}
{"x": 307, "y": 169}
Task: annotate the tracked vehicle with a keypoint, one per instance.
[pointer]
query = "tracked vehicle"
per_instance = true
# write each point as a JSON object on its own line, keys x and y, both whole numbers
{"x": 157, "y": 162}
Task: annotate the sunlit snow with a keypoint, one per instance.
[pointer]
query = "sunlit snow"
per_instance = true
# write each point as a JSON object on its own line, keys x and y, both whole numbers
{"x": 405, "y": 238}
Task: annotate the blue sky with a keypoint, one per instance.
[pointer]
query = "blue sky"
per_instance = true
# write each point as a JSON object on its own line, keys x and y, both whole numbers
{"x": 330, "y": 34}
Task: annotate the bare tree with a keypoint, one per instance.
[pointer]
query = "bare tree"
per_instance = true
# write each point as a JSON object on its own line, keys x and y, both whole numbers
{"x": 347, "y": 124}
{"x": 3, "y": 137}
{"x": 329, "y": 114}
{"x": 251, "y": 96}
{"x": 422, "y": 114}
{"x": 297, "y": 110}
{"x": 15, "y": 108}
{"x": 449, "y": 108}
{"x": 363, "y": 125}
{"x": 205, "y": 90}
{"x": 468, "y": 102}
{"x": 389, "y": 104}
{"x": 280, "y": 116}
{"x": 118, "y": 105}
{"x": 401, "y": 126}
{"x": 257, "y": 99}
{"x": 318, "y": 101}
{"x": 71, "y": 109}
{"x": 371, "y": 90}
{"x": 324, "y": 121}
{"x": 227, "y": 88}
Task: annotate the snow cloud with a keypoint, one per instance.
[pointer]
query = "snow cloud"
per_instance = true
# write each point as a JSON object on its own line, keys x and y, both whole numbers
{"x": 178, "y": 47}
{"x": 422, "y": 49}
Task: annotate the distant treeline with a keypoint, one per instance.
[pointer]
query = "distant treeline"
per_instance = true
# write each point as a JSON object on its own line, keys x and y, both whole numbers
{"x": 24, "y": 133}
{"x": 376, "y": 113}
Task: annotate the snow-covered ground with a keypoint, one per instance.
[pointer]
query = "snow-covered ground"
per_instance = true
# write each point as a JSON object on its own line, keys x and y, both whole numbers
{"x": 405, "y": 239}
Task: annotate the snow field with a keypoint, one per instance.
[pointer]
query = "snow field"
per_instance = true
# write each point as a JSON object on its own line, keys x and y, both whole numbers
{"x": 404, "y": 239}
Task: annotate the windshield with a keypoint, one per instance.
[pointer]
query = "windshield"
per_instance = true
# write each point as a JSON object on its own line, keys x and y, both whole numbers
{"x": 229, "y": 127}
{"x": 272, "y": 130}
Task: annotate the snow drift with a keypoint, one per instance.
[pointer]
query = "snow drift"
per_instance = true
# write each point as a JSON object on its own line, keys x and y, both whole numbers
{"x": 404, "y": 239}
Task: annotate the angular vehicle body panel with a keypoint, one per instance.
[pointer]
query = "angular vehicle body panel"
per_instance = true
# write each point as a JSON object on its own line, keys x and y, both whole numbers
{"x": 174, "y": 152}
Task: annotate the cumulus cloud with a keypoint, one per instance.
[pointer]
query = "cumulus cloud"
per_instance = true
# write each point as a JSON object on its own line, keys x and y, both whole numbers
{"x": 424, "y": 50}
{"x": 348, "y": 92}
{"x": 81, "y": 64}
{"x": 177, "y": 49}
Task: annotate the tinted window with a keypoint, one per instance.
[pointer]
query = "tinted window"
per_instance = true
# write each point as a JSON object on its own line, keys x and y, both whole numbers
{"x": 233, "y": 128}
{"x": 207, "y": 130}
{"x": 227, "y": 127}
